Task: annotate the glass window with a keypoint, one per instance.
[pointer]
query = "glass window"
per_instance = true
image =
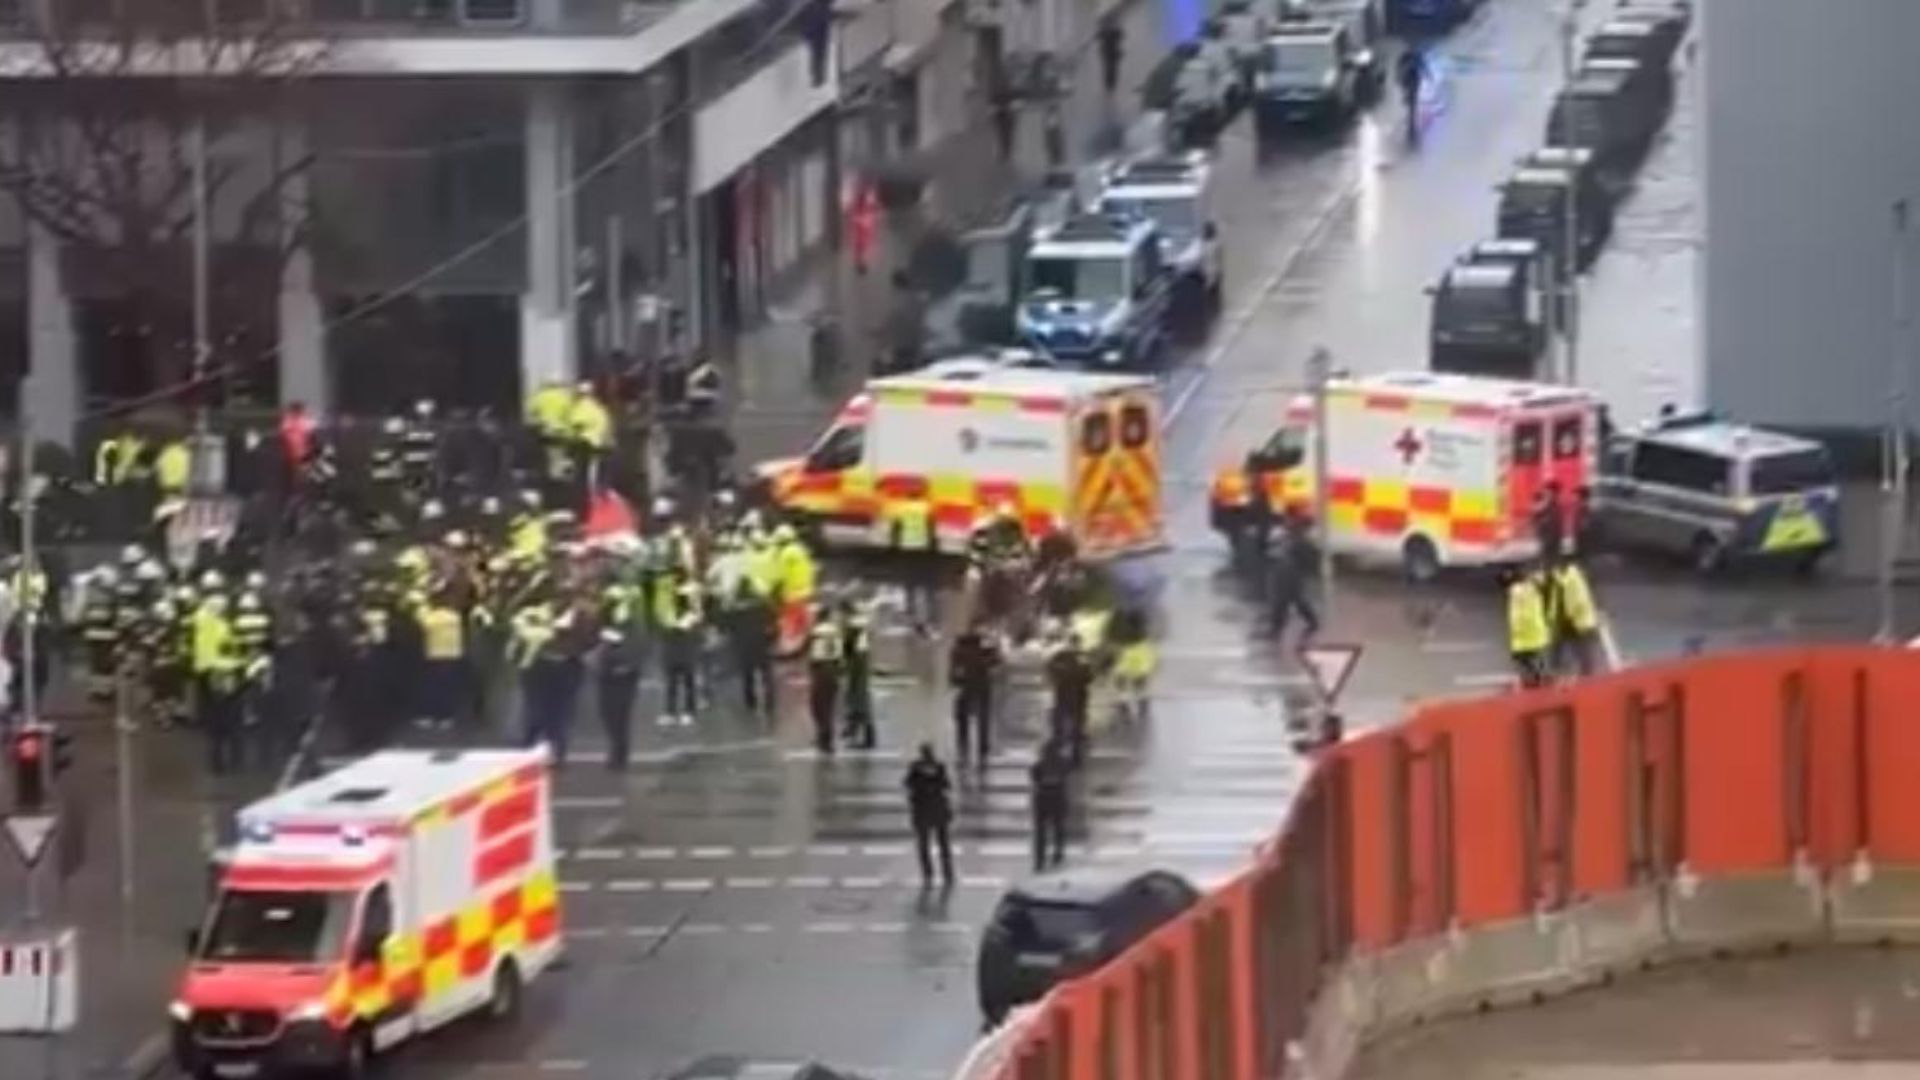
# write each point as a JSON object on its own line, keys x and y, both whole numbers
{"x": 1526, "y": 443}
{"x": 1096, "y": 434}
{"x": 1059, "y": 925}
{"x": 1301, "y": 61}
{"x": 1177, "y": 215}
{"x": 841, "y": 448}
{"x": 1135, "y": 428}
{"x": 376, "y": 922}
{"x": 1567, "y": 444}
{"x": 271, "y": 927}
{"x": 1784, "y": 474}
{"x": 1078, "y": 279}
{"x": 1679, "y": 467}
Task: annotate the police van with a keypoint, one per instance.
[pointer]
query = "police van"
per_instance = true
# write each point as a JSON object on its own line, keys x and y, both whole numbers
{"x": 1176, "y": 194}
{"x": 1096, "y": 292}
{"x": 1718, "y": 493}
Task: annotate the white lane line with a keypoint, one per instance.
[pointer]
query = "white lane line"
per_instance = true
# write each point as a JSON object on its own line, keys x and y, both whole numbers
{"x": 987, "y": 881}
{"x": 698, "y": 884}
{"x": 771, "y": 851}
{"x": 712, "y": 852}
{"x": 950, "y": 928}
{"x": 1002, "y": 848}
{"x": 701, "y": 929}
{"x": 560, "y": 1065}
{"x": 586, "y": 802}
{"x": 656, "y": 853}
{"x": 630, "y": 885}
{"x": 749, "y": 883}
{"x": 1485, "y": 679}
{"x": 646, "y": 931}
{"x": 886, "y": 928}
{"x": 829, "y": 849}
{"x": 863, "y": 883}
{"x": 887, "y": 851}
{"x": 576, "y": 886}
{"x": 829, "y": 928}
{"x": 1236, "y": 324}
{"x": 598, "y": 854}
{"x": 809, "y": 881}
{"x": 586, "y": 933}
{"x": 1459, "y": 648}
{"x": 756, "y": 928}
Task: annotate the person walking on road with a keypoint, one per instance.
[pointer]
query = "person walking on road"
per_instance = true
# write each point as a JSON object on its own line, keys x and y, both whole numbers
{"x": 1576, "y": 618}
{"x": 1529, "y": 634}
{"x": 1070, "y": 683}
{"x": 930, "y": 805}
{"x": 856, "y": 626}
{"x": 825, "y": 645}
{"x": 1411, "y": 72}
{"x": 1049, "y": 776}
{"x": 618, "y": 670}
{"x": 972, "y": 664}
{"x": 1549, "y": 521}
{"x": 680, "y": 650}
{"x": 1112, "y": 46}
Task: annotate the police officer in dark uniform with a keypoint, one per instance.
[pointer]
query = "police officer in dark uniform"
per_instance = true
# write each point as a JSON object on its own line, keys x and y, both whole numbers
{"x": 750, "y": 631}
{"x": 1049, "y": 776}
{"x": 930, "y": 805}
{"x": 1070, "y": 680}
{"x": 618, "y": 670}
{"x": 856, "y": 623}
{"x": 826, "y": 644}
{"x": 972, "y": 664}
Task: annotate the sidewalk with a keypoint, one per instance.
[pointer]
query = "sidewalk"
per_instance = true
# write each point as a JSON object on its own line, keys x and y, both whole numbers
{"x": 776, "y": 408}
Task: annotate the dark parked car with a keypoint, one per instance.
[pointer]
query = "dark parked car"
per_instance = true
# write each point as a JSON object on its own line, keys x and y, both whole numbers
{"x": 1670, "y": 20}
{"x": 1533, "y": 206}
{"x": 1060, "y": 925}
{"x": 722, "y": 1067}
{"x": 1607, "y": 111}
{"x": 1488, "y": 319}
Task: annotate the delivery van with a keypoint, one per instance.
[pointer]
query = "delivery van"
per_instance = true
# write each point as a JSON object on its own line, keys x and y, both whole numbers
{"x": 1075, "y": 451}
{"x": 1426, "y": 470}
{"x": 368, "y": 906}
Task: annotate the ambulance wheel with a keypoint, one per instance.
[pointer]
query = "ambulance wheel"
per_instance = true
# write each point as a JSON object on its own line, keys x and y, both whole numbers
{"x": 1707, "y": 554}
{"x": 503, "y": 1005}
{"x": 1420, "y": 559}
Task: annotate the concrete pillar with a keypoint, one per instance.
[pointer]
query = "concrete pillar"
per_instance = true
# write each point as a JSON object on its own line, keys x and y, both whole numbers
{"x": 303, "y": 343}
{"x": 50, "y": 397}
{"x": 547, "y": 340}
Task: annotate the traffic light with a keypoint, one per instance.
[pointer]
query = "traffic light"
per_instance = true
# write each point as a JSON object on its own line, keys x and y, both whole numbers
{"x": 27, "y": 750}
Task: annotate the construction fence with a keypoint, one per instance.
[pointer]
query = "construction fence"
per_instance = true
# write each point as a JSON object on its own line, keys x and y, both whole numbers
{"x": 1492, "y": 852}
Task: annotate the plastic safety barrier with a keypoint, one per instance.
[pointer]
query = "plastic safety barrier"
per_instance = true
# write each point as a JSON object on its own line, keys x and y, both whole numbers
{"x": 1496, "y": 851}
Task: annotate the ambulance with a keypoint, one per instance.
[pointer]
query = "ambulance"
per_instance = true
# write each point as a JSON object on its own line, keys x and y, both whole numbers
{"x": 1424, "y": 469}
{"x": 1070, "y": 450}
{"x": 371, "y": 905}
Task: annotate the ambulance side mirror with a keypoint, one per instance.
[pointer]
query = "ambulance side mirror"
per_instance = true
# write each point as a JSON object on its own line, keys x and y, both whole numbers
{"x": 367, "y": 949}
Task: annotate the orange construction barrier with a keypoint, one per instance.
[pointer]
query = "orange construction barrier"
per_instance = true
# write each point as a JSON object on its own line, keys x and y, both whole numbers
{"x": 1496, "y": 850}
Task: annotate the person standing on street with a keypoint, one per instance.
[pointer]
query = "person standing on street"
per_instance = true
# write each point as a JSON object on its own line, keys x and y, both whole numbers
{"x": 1050, "y": 774}
{"x": 1528, "y": 632}
{"x": 856, "y": 625}
{"x": 1070, "y": 683}
{"x": 618, "y": 669}
{"x": 444, "y": 659}
{"x": 539, "y": 654}
{"x": 1411, "y": 71}
{"x": 972, "y": 664}
{"x": 680, "y": 650}
{"x": 930, "y": 805}
{"x": 749, "y": 632}
{"x": 825, "y": 646}
{"x": 1549, "y": 522}
{"x": 216, "y": 675}
{"x": 1112, "y": 45}
{"x": 1576, "y": 618}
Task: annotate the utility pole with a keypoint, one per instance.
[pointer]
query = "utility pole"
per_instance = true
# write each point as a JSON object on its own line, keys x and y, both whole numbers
{"x": 202, "y": 248}
{"x": 1319, "y": 373}
{"x": 123, "y": 750}
{"x": 1570, "y": 239}
{"x": 1893, "y": 448}
{"x": 24, "y": 604}
{"x": 616, "y": 294}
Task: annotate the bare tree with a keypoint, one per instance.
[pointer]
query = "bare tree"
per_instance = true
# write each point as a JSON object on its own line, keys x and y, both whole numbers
{"x": 108, "y": 102}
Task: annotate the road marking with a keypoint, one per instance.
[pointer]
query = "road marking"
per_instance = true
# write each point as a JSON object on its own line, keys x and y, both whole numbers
{"x": 809, "y": 881}
{"x": 630, "y": 885}
{"x": 829, "y": 849}
{"x": 712, "y": 852}
{"x": 999, "y": 848}
{"x": 1500, "y": 679}
{"x": 749, "y": 883}
{"x": 829, "y": 928}
{"x": 586, "y": 932}
{"x": 987, "y": 881}
{"x": 701, "y": 928}
{"x": 586, "y": 802}
{"x": 1456, "y": 647}
{"x": 757, "y": 928}
{"x": 889, "y": 851}
{"x": 698, "y": 884}
{"x": 886, "y": 928}
{"x": 774, "y": 851}
{"x": 562, "y": 1065}
{"x": 576, "y": 886}
{"x": 646, "y": 931}
{"x": 1236, "y": 324}
{"x": 951, "y": 928}
{"x": 655, "y": 853}
{"x": 863, "y": 883}
{"x": 598, "y": 854}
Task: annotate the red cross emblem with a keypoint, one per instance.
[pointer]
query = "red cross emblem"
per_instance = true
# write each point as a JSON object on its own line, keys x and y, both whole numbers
{"x": 1409, "y": 446}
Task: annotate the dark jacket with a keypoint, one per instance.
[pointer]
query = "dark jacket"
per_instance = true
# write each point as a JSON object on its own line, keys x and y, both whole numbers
{"x": 972, "y": 659}
{"x": 928, "y": 793}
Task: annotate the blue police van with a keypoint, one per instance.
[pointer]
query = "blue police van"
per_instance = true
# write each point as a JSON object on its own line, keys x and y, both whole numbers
{"x": 1096, "y": 292}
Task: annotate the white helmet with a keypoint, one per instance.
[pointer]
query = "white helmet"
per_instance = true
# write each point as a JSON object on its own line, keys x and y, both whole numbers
{"x": 213, "y": 580}
{"x": 132, "y": 554}
{"x": 256, "y": 580}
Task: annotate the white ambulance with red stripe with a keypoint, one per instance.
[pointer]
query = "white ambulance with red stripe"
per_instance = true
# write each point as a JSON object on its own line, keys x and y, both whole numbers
{"x": 368, "y": 906}
{"x": 1065, "y": 450}
{"x": 1424, "y": 469}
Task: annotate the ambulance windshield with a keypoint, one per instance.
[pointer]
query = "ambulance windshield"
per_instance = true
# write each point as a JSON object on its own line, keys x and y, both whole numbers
{"x": 270, "y": 927}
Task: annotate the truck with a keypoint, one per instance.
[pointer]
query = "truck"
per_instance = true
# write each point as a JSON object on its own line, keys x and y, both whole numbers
{"x": 369, "y": 906}
{"x": 1424, "y": 470}
{"x": 1073, "y": 451}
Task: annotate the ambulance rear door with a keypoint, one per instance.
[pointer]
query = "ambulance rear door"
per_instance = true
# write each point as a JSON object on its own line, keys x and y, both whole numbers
{"x": 1116, "y": 484}
{"x": 1548, "y": 444}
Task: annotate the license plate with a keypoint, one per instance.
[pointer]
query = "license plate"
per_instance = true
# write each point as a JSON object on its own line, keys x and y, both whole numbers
{"x": 236, "y": 1069}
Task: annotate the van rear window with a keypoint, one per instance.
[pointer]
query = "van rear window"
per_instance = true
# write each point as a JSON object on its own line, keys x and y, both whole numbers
{"x": 1784, "y": 474}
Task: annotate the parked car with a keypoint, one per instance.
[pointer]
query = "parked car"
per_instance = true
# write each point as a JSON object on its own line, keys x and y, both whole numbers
{"x": 1176, "y": 194}
{"x": 1488, "y": 318}
{"x": 1312, "y": 74}
{"x": 1534, "y": 205}
{"x": 1609, "y": 110}
{"x": 1061, "y": 925}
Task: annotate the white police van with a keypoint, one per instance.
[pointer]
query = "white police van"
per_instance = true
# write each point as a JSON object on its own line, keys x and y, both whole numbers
{"x": 1096, "y": 291}
{"x": 1176, "y": 194}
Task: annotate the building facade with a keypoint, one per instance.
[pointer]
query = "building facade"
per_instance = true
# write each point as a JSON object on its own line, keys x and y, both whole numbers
{"x": 1802, "y": 177}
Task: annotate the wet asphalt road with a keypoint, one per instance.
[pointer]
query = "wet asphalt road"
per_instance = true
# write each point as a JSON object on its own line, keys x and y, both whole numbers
{"x": 735, "y": 894}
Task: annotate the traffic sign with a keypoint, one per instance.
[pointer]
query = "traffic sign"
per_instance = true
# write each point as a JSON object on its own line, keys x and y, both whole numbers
{"x": 1330, "y": 665}
{"x": 30, "y": 833}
